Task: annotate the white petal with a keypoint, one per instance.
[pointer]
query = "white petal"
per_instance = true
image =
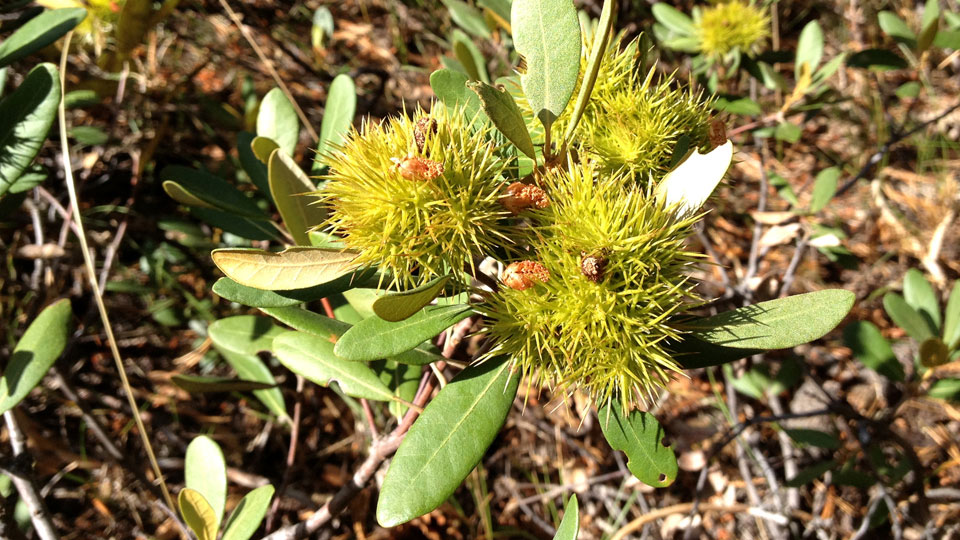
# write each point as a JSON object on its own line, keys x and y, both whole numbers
{"x": 694, "y": 179}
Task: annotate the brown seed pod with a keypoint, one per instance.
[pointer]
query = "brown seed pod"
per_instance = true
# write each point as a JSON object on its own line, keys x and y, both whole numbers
{"x": 418, "y": 168}
{"x": 425, "y": 127}
{"x": 593, "y": 266}
{"x": 522, "y": 275}
{"x": 718, "y": 132}
{"x": 521, "y": 196}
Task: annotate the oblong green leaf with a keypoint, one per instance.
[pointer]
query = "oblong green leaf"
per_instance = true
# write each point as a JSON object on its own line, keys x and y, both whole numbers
{"x": 692, "y": 353}
{"x": 262, "y": 148}
{"x": 399, "y": 306}
{"x": 906, "y": 317}
{"x": 278, "y": 120}
{"x": 375, "y": 338}
{"x": 951, "y": 322}
{"x": 197, "y": 514}
{"x": 312, "y": 357}
{"x": 812, "y": 437}
{"x": 948, "y": 389}
{"x": 338, "y": 113}
{"x": 467, "y": 17}
{"x": 546, "y": 33}
{"x": 244, "y": 334}
{"x": 570, "y": 524}
{"x": 291, "y": 269}
{"x": 876, "y": 60}
{"x": 895, "y": 27}
{"x": 251, "y": 368}
{"x": 289, "y": 187}
{"x": 180, "y": 194}
{"x": 451, "y": 88}
{"x": 809, "y": 48}
{"x": 402, "y": 379}
{"x": 246, "y": 517}
{"x": 205, "y": 472}
{"x": 824, "y": 187}
{"x": 39, "y": 32}
{"x": 255, "y": 169}
{"x": 506, "y": 116}
{"x": 777, "y": 324}
{"x": 640, "y": 436}
{"x": 36, "y": 351}
{"x": 673, "y": 19}
{"x": 810, "y": 474}
{"x": 212, "y": 190}
{"x": 872, "y": 349}
{"x": 259, "y": 298}
{"x": 920, "y": 295}
{"x": 447, "y": 441}
{"x": 470, "y": 57}
{"x": 25, "y": 119}
{"x": 198, "y": 384}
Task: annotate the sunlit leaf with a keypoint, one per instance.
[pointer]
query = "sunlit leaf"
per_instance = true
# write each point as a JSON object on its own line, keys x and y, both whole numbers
{"x": 338, "y": 113}
{"x": 504, "y": 113}
{"x": 920, "y": 295}
{"x": 824, "y": 187}
{"x": 246, "y": 517}
{"x": 809, "y": 48}
{"x": 198, "y": 514}
{"x": 399, "y": 306}
{"x": 205, "y": 472}
{"x": 673, "y": 19}
{"x": 907, "y": 317}
{"x": 25, "y": 119}
{"x": 294, "y": 268}
{"x": 570, "y": 524}
{"x": 278, "y": 120}
{"x": 375, "y": 338}
{"x": 244, "y": 334}
{"x": 640, "y": 437}
{"x": 39, "y": 32}
{"x": 251, "y": 368}
{"x": 290, "y": 187}
{"x": 690, "y": 184}
{"x": 37, "y": 350}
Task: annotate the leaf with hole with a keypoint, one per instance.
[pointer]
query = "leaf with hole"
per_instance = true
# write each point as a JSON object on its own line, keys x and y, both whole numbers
{"x": 313, "y": 357}
{"x": 246, "y": 517}
{"x": 278, "y": 121}
{"x": 447, "y": 441}
{"x": 198, "y": 514}
{"x": 290, "y": 269}
{"x": 872, "y": 349}
{"x": 505, "y": 115}
{"x": 37, "y": 350}
{"x": 39, "y": 32}
{"x": 399, "y": 306}
{"x": 25, "y": 119}
{"x": 375, "y": 338}
{"x": 546, "y": 34}
{"x": 290, "y": 188}
{"x": 205, "y": 472}
{"x": 640, "y": 437}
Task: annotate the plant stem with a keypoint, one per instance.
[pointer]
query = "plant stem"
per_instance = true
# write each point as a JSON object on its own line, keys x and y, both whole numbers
{"x": 23, "y": 481}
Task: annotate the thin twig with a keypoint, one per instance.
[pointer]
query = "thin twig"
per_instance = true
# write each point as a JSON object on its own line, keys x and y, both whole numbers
{"x": 23, "y": 480}
{"x": 683, "y": 508}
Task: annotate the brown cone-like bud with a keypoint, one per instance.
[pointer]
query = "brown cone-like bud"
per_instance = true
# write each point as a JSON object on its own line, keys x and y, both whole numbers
{"x": 718, "y": 132}
{"x": 418, "y": 168}
{"x": 521, "y": 196}
{"x": 522, "y": 275}
{"x": 425, "y": 127}
{"x": 593, "y": 266}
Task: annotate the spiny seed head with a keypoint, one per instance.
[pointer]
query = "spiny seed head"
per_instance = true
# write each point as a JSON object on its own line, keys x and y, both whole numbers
{"x": 417, "y": 212}
{"x": 735, "y": 24}
{"x": 606, "y": 336}
{"x": 522, "y": 275}
{"x": 520, "y": 196}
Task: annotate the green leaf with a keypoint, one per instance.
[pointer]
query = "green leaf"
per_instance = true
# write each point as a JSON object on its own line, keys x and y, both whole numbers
{"x": 25, "y": 118}
{"x": 872, "y": 350}
{"x": 313, "y": 357}
{"x": 809, "y": 48}
{"x": 906, "y": 317}
{"x": 602, "y": 36}
{"x": 255, "y": 169}
{"x": 876, "y": 60}
{"x": 322, "y": 28}
{"x": 470, "y": 56}
{"x": 933, "y": 352}
{"x": 214, "y": 191}
{"x": 640, "y": 436}
{"x": 673, "y": 19}
{"x": 776, "y": 324}
{"x": 290, "y": 269}
{"x": 290, "y": 187}
{"x": 788, "y": 132}
{"x": 810, "y": 474}
{"x": 570, "y": 524}
{"x": 812, "y": 437}
{"x": 338, "y": 114}
{"x": 546, "y": 33}
{"x": 451, "y": 88}
{"x": 468, "y": 18}
{"x": 399, "y": 306}
{"x": 824, "y": 187}
{"x": 278, "y": 120}
{"x": 920, "y": 296}
{"x": 205, "y": 471}
{"x": 250, "y": 296}
{"x": 447, "y": 441}
{"x": 198, "y": 384}
{"x": 951, "y": 324}
{"x": 36, "y": 351}
{"x": 692, "y": 353}
{"x": 252, "y": 229}
{"x": 89, "y": 135}
{"x": 947, "y": 39}
{"x": 246, "y": 517}
{"x": 244, "y": 334}
{"x": 402, "y": 379}
{"x": 928, "y": 25}
{"x": 908, "y": 90}
{"x": 783, "y": 188}
{"x": 897, "y": 28}
{"x": 251, "y": 368}
{"x": 503, "y": 111}
{"x": 198, "y": 514}
{"x": 262, "y": 148}
{"x": 744, "y": 106}
{"x": 375, "y": 338}
{"x": 948, "y": 389}
{"x": 39, "y": 32}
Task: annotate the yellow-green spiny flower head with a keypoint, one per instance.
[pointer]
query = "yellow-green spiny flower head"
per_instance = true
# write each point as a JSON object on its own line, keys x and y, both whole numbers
{"x": 633, "y": 122}
{"x": 614, "y": 275}
{"x": 417, "y": 196}
{"x": 735, "y": 24}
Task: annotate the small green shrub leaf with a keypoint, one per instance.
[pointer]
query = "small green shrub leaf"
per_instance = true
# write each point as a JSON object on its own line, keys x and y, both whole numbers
{"x": 777, "y": 324}
{"x": 375, "y": 338}
{"x": 570, "y": 524}
{"x": 824, "y": 187}
{"x": 246, "y": 517}
{"x": 872, "y": 350}
{"x": 255, "y": 169}
{"x": 948, "y": 389}
{"x": 214, "y": 191}
{"x": 468, "y": 18}
{"x": 36, "y": 351}
{"x": 312, "y": 357}
{"x": 876, "y": 60}
{"x": 291, "y": 269}
{"x": 503, "y": 111}
{"x": 198, "y": 514}
{"x": 788, "y": 132}
{"x": 251, "y": 368}
{"x": 906, "y": 317}
{"x": 951, "y": 323}
{"x": 809, "y": 48}
{"x": 253, "y": 229}
{"x": 262, "y": 148}
{"x": 691, "y": 352}
{"x": 402, "y": 379}
{"x": 205, "y": 472}
{"x": 812, "y": 437}
{"x": 25, "y": 119}
{"x": 920, "y": 295}
{"x": 640, "y": 436}
{"x": 470, "y": 56}
{"x": 546, "y": 33}
{"x": 289, "y": 187}
{"x": 180, "y": 194}
{"x": 451, "y": 88}
{"x": 39, "y": 32}
{"x": 338, "y": 113}
{"x": 399, "y": 306}
{"x": 810, "y": 474}
{"x": 278, "y": 120}
{"x": 198, "y": 384}
{"x": 249, "y": 296}
{"x": 897, "y": 28}
{"x": 244, "y": 334}
{"x": 447, "y": 441}
{"x": 675, "y": 20}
